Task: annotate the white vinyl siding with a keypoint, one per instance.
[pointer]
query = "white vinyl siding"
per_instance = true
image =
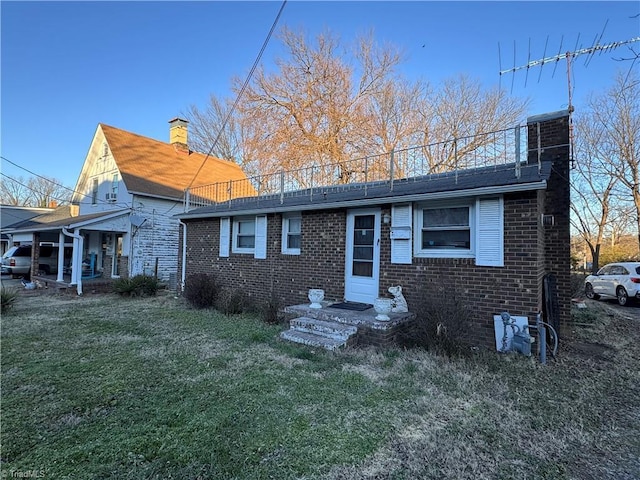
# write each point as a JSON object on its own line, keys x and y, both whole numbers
{"x": 225, "y": 236}
{"x": 490, "y": 232}
{"x": 401, "y": 238}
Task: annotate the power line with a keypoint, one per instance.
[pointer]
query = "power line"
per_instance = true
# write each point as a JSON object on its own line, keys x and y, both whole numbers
{"x": 224, "y": 124}
{"x": 39, "y": 176}
{"x": 63, "y": 200}
{"x": 240, "y": 93}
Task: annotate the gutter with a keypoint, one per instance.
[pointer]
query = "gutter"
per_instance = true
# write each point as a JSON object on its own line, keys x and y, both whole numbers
{"x": 225, "y": 211}
{"x": 183, "y": 274}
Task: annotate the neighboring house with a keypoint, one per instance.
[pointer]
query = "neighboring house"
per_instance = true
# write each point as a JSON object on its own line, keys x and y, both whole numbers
{"x": 126, "y": 198}
{"x": 485, "y": 237}
{"x": 10, "y": 215}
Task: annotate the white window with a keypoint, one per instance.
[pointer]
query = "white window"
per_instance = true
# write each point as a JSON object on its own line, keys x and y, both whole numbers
{"x": 474, "y": 229}
{"x": 444, "y": 230}
{"x": 249, "y": 235}
{"x": 94, "y": 192}
{"x": 114, "y": 184}
{"x": 291, "y": 229}
{"x": 244, "y": 235}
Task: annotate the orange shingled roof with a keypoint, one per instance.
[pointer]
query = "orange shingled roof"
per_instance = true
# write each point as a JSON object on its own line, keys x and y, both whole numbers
{"x": 157, "y": 168}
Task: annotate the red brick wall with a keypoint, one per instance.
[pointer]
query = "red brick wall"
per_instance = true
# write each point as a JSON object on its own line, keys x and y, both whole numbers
{"x": 486, "y": 290}
{"x": 320, "y": 264}
{"x": 530, "y": 251}
{"x": 554, "y": 134}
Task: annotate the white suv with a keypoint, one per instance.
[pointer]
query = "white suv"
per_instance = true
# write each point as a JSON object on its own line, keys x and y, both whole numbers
{"x": 17, "y": 260}
{"x": 617, "y": 280}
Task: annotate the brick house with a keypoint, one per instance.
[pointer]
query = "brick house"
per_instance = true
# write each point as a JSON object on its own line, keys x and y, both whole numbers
{"x": 487, "y": 234}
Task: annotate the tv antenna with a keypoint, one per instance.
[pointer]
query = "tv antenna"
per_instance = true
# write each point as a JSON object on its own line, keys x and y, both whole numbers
{"x": 596, "y": 47}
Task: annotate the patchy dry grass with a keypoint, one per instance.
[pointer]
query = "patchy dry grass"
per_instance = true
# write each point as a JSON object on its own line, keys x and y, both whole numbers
{"x": 105, "y": 387}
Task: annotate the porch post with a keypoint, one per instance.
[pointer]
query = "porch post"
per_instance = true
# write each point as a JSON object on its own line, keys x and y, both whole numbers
{"x": 61, "y": 238}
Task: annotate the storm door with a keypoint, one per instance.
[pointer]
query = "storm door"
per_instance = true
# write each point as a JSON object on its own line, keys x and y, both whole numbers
{"x": 362, "y": 269}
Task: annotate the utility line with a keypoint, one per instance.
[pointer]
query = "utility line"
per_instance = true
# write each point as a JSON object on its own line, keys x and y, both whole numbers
{"x": 39, "y": 176}
{"x": 215, "y": 142}
{"x": 62, "y": 200}
{"x": 240, "y": 93}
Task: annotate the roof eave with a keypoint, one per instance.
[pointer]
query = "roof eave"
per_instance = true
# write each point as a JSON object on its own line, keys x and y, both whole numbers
{"x": 44, "y": 228}
{"x": 153, "y": 195}
{"x": 368, "y": 201}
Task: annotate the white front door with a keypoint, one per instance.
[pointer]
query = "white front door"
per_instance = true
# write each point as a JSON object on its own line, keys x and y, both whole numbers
{"x": 362, "y": 270}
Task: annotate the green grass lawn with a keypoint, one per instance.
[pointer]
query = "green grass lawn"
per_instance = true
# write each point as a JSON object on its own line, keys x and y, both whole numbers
{"x": 107, "y": 387}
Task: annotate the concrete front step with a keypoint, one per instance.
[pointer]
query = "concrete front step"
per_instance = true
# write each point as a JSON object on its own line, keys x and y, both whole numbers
{"x": 348, "y": 317}
{"x": 319, "y": 333}
{"x": 312, "y": 339}
{"x": 324, "y": 328}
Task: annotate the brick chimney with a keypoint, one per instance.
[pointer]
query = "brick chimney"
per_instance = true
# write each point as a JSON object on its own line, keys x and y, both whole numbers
{"x": 178, "y": 134}
{"x": 549, "y": 141}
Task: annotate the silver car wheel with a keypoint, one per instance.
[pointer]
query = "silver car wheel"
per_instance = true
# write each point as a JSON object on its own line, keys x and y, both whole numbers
{"x": 622, "y": 296}
{"x": 588, "y": 291}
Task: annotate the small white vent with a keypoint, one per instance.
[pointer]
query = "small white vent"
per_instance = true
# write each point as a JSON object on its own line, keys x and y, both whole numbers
{"x": 548, "y": 220}
{"x": 111, "y": 197}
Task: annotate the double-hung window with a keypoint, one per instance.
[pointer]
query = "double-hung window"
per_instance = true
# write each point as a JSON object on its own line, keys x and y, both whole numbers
{"x": 444, "y": 230}
{"x": 248, "y": 235}
{"x": 114, "y": 183}
{"x": 291, "y": 230}
{"x": 244, "y": 235}
{"x": 94, "y": 192}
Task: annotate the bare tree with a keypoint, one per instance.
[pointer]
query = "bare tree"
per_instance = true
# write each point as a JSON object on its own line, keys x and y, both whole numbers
{"x": 312, "y": 109}
{"x": 616, "y": 118}
{"x": 592, "y": 187}
{"x": 14, "y": 191}
{"x": 331, "y": 113}
{"x": 33, "y": 191}
{"x": 459, "y": 119}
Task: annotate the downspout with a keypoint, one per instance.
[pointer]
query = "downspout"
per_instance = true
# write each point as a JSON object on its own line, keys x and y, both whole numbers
{"x": 184, "y": 256}
{"x": 60, "y": 277}
{"x": 76, "y": 262}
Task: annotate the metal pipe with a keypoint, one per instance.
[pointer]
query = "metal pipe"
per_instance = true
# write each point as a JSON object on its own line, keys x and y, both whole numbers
{"x": 542, "y": 338}
{"x": 183, "y": 274}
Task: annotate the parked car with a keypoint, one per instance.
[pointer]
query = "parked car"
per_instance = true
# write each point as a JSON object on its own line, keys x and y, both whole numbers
{"x": 617, "y": 280}
{"x": 17, "y": 260}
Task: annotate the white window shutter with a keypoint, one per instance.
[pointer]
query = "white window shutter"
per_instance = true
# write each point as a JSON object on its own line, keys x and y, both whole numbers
{"x": 225, "y": 234}
{"x": 401, "y": 237}
{"x": 261, "y": 237}
{"x": 490, "y": 232}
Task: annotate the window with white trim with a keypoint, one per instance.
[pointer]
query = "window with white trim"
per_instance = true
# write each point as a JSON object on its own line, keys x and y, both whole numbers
{"x": 291, "y": 234}
{"x": 471, "y": 229}
{"x": 94, "y": 192}
{"x": 444, "y": 230}
{"x": 244, "y": 235}
{"x": 114, "y": 183}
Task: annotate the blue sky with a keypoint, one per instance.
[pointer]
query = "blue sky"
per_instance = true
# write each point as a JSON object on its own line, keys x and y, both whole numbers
{"x": 67, "y": 66}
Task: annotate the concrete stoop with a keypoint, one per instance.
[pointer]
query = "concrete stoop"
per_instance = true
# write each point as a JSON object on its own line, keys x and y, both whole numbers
{"x": 331, "y": 328}
{"x": 318, "y": 333}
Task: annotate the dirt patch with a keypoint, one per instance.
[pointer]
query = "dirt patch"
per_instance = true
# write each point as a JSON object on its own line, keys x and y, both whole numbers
{"x": 593, "y": 350}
